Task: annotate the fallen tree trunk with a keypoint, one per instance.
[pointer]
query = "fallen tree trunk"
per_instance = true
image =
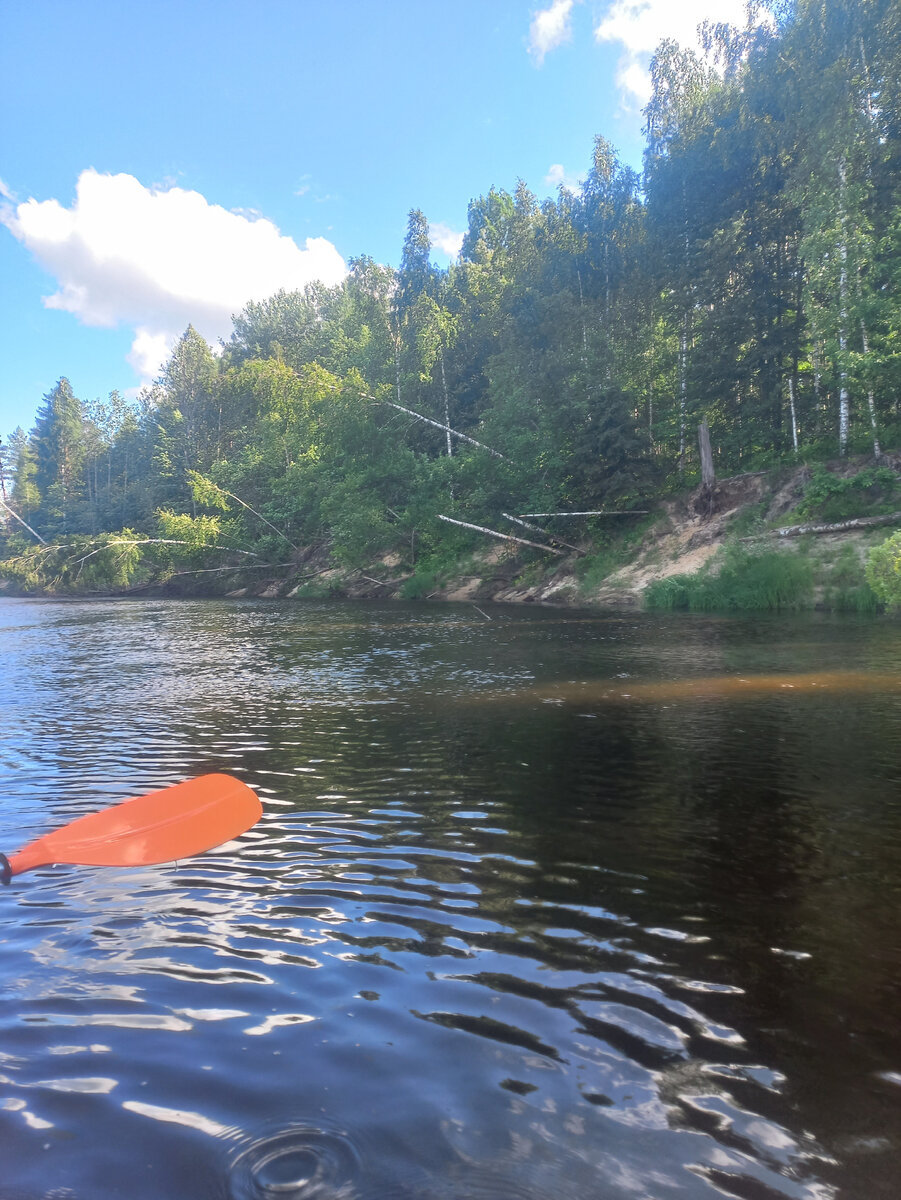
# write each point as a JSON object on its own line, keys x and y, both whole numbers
{"x": 504, "y": 536}
{"x": 544, "y": 533}
{"x": 837, "y": 527}
{"x": 464, "y": 437}
{"x": 600, "y": 512}
{"x": 14, "y": 514}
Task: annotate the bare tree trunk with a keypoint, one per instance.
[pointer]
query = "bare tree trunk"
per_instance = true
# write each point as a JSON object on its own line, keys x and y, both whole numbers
{"x": 582, "y": 318}
{"x": 450, "y": 445}
{"x": 428, "y": 420}
{"x": 708, "y": 475}
{"x": 844, "y": 395}
{"x": 871, "y": 399}
{"x": 503, "y": 536}
{"x": 16, "y": 516}
{"x": 791, "y": 409}
{"x": 683, "y": 389}
{"x": 544, "y": 533}
{"x": 835, "y": 527}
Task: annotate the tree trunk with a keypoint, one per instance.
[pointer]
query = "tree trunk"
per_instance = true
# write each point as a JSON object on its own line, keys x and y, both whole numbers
{"x": 791, "y": 409}
{"x": 844, "y": 395}
{"x": 683, "y": 389}
{"x": 450, "y": 445}
{"x": 708, "y": 475}
{"x": 503, "y": 536}
{"x": 871, "y": 399}
{"x": 837, "y": 527}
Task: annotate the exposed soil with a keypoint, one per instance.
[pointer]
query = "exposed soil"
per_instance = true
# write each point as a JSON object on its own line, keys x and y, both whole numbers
{"x": 687, "y": 532}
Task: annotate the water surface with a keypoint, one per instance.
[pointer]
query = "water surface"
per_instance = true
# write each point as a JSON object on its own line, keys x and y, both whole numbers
{"x": 554, "y": 904}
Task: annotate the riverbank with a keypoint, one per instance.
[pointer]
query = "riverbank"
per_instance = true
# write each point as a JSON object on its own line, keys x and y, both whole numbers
{"x": 683, "y": 535}
{"x": 843, "y": 508}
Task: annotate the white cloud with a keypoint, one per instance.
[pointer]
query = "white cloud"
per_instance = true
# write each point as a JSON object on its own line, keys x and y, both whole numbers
{"x": 159, "y": 259}
{"x": 641, "y": 25}
{"x": 549, "y": 29}
{"x": 445, "y": 239}
{"x": 6, "y": 192}
{"x": 557, "y": 177}
{"x": 148, "y": 352}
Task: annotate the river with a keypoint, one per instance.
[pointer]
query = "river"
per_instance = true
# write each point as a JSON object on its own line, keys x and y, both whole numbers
{"x": 544, "y": 905}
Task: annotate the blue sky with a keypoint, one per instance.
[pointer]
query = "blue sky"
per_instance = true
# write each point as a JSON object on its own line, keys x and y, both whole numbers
{"x": 164, "y": 162}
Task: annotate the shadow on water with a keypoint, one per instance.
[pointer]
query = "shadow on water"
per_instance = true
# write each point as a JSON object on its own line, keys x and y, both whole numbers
{"x": 504, "y": 931}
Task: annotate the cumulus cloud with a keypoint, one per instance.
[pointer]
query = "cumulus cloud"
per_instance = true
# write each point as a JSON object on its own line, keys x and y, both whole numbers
{"x": 550, "y": 27}
{"x": 445, "y": 239}
{"x": 158, "y": 259}
{"x": 558, "y": 177}
{"x": 641, "y": 25}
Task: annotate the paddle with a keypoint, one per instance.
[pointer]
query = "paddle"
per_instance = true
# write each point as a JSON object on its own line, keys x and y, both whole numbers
{"x": 163, "y": 826}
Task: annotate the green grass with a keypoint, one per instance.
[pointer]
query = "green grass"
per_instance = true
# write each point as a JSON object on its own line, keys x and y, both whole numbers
{"x": 747, "y": 580}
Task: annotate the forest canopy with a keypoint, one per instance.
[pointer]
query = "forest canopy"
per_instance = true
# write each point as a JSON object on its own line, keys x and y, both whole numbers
{"x": 749, "y": 277}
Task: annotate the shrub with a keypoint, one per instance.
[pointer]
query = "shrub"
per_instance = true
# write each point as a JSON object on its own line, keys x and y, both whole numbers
{"x": 883, "y": 571}
{"x": 830, "y": 497}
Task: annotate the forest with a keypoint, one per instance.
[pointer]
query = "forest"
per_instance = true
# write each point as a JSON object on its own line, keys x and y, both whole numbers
{"x": 749, "y": 276}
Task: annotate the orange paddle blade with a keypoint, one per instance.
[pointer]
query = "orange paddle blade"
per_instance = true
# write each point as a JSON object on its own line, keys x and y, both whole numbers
{"x": 163, "y": 826}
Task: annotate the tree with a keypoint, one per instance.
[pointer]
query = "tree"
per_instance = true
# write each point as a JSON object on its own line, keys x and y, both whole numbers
{"x": 58, "y": 439}
{"x": 187, "y": 404}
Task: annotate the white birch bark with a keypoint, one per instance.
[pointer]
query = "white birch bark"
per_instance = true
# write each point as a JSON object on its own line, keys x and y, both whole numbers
{"x": 871, "y": 399}
{"x": 450, "y": 445}
{"x": 791, "y": 410}
{"x": 844, "y": 395}
{"x": 506, "y": 537}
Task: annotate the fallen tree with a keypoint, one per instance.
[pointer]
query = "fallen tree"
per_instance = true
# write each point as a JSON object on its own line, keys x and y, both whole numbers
{"x": 506, "y": 537}
{"x": 836, "y": 527}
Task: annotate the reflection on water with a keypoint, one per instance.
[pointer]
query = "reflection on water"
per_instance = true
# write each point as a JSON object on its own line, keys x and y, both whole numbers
{"x": 551, "y": 905}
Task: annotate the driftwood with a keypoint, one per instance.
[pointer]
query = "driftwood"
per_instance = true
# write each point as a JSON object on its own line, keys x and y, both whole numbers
{"x": 544, "y": 532}
{"x": 503, "y": 536}
{"x": 837, "y": 527}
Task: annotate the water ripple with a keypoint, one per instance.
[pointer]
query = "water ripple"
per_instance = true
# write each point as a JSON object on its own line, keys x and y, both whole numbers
{"x": 480, "y": 946}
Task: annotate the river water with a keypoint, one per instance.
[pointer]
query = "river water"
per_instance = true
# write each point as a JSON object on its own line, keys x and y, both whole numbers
{"x": 543, "y": 904}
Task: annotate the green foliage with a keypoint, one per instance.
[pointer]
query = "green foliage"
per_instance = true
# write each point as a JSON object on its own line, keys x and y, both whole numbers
{"x": 830, "y": 497}
{"x": 205, "y": 492}
{"x": 420, "y": 585}
{"x": 111, "y": 562}
{"x": 183, "y": 540}
{"x": 751, "y": 277}
{"x": 747, "y": 579}
{"x": 845, "y": 588}
{"x": 883, "y": 571}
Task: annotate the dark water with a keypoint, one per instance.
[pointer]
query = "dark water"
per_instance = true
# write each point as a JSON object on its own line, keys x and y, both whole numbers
{"x": 544, "y": 906}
